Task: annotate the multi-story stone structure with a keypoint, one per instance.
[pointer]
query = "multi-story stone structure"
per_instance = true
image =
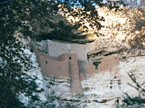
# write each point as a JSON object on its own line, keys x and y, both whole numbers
{"x": 65, "y": 60}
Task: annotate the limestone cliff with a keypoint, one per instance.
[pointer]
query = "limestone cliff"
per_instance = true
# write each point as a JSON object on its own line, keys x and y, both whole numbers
{"x": 119, "y": 57}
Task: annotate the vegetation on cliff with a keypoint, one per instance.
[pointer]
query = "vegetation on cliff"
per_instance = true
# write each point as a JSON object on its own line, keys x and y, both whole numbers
{"x": 37, "y": 19}
{"x": 30, "y": 19}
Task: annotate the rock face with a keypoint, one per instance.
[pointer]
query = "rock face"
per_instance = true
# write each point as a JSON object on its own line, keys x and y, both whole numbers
{"x": 103, "y": 89}
{"x": 112, "y": 86}
{"x": 117, "y": 62}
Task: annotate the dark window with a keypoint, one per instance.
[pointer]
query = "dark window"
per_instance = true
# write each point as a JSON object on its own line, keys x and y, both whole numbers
{"x": 70, "y": 58}
{"x": 46, "y": 62}
{"x": 31, "y": 50}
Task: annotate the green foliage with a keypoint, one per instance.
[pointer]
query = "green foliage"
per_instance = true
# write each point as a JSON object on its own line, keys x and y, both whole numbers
{"x": 38, "y": 17}
{"x": 14, "y": 63}
{"x": 61, "y": 32}
{"x": 137, "y": 17}
{"x": 13, "y": 77}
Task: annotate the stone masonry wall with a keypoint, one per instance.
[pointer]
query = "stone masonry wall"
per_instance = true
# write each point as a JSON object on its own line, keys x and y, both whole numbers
{"x": 74, "y": 72}
{"x": 109, "y": 64}
{"x": 56, "y": 49}
{"x": 65, "y": 60}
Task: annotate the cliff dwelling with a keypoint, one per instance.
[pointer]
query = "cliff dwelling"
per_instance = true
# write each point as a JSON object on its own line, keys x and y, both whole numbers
{"x": 68, "y": 60}
{"x": 65, "y": 60}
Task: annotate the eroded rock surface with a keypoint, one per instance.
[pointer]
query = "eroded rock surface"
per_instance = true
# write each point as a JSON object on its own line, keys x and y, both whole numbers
{"x": 116, "y": 59}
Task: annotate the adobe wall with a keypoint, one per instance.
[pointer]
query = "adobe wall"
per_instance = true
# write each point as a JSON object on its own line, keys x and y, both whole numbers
{"x": 76, "y": 86}
{"x": 56, "y": 49}
{"x": 54, "y": 67}
{"x": 61, "y": 60}
{"x": 109, "y": 64}
{"x": 65, "y": 66}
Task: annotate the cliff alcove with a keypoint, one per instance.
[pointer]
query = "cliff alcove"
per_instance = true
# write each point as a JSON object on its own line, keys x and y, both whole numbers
{"x": 117, "y": 52}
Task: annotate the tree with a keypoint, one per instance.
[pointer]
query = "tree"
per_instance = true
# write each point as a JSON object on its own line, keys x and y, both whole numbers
{"x": 14, "y": 63}
{"x": 35, "y": 18}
